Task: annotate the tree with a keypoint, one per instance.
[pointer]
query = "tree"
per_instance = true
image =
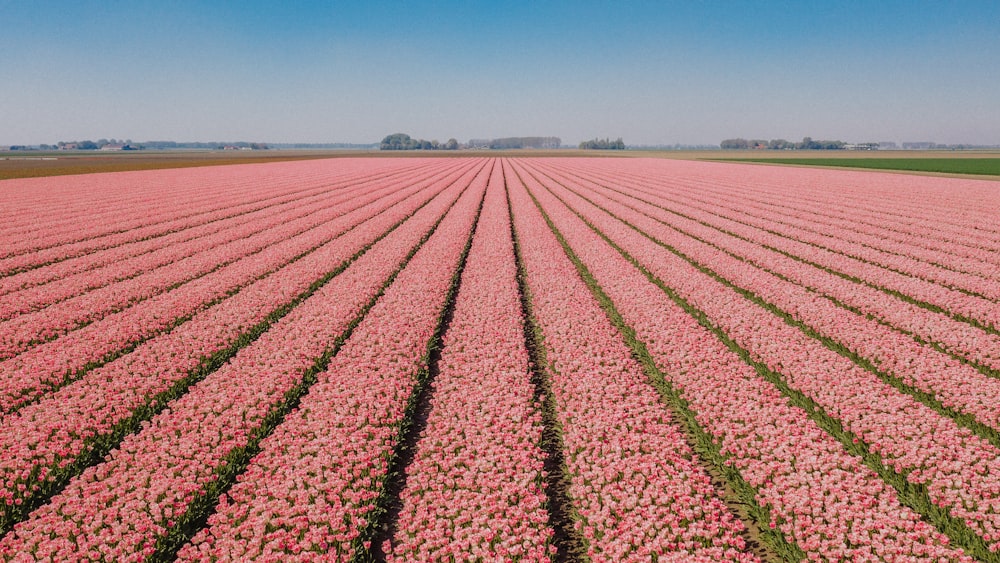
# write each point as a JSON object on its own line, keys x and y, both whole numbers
{"x": 451, "y": 145}
{"x": 397, "y": 142}
{"x": 807, "y": 143}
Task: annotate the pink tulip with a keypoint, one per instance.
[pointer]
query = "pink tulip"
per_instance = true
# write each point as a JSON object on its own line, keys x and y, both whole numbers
{"x": 758, "y": 429}
{"x": 847, "y": 286}
{"x": 622, "y": 448}
{"x": 476, "y": 479}
{"x": 318, "y": 475}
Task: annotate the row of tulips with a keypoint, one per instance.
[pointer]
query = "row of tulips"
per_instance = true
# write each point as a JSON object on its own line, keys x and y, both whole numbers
{"x": 813, "y": 499}
{"x": 961, "y": 340}
{"x": 185, "y": 258}
{"x": 954, "y": 213}
{"x": 157, "y": 482}
{"x": 50, "y": 365}
{"x": 833, "y": 242}
{"x": 957, "y": 263}
{"x": 965, "y": 306}
{"x": 835, "y": 232}
{"x": 46, "y": 442}
{"x": 161, "y": 250}
{"x": 53, "y": 220}
{"x": 637, "y": 490}
{"x": 950, "y": 385}
{"x": 92, "y": 212}
{"x": 953, "y": 210}
{"x": 21, "y": 332}
{"x": 475, "y": 488}
{"x": 211, "y": 222}
{"x": 953, "y": 468}
{"x": 313, "y": 491}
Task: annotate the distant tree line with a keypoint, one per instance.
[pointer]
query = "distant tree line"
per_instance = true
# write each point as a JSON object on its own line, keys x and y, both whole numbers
{"x": 928, "y": 145}
{"x": 673, "y": 147}
{"x": 41, "y": 147}
{"x": 352, "y": 146}
{"x": 781, "y": 144}
{"x": 89, "y": 145}
{"x": 604, "y": 144}
{"x": 163, "y": 145}
{"x": 518, "y": 143}
{"x": 216, "y": 145}
{"x": 403, "y": 142}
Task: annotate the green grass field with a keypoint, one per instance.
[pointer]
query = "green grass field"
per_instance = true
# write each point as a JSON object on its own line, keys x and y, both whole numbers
{"x": 979, "y": 166}
{"x": 26, "y": 165}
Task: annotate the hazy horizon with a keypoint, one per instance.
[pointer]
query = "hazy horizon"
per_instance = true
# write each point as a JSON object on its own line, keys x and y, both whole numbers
{"x": 651, "y": 73}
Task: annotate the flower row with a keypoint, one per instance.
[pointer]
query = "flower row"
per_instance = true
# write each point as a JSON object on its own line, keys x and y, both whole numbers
{"x": 913, "y": 441}
{"x": 112, "y": 264}
{"x": 183, "y": 257}
{"x": 833, "y": 241}
{"x": 45, "y": 440}
{"x": 947, "y": 214}
{"x": 19, "y": 333}
{"x": 123, "y": 508}
{"x": 957, "y": 303}
{"x": 49, "y": 365}
{"x": 879, "y": 246}
{"x": 475, "y": 488}
{"x": 636, "y": 487}
{"x": 314, "y": 487}
{"x": 237, "y": 213}
{"x": 958, "y": 338}
{"x": 954, "y": 384}
{"x": 72, "y": 280}
{"x": 72, "y": 216}
{"x": 820, "y": 498}
{"x": 817, "y": 226}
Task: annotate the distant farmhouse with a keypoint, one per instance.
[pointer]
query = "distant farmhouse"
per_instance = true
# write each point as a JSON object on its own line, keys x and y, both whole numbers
{"x": 103, "y": 145}
{"x": 118, "y": 147}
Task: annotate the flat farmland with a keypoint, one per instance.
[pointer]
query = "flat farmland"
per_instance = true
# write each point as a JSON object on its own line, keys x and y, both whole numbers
{"x": 37, "y": 164}
{"x": 21, "y": 164}
{"x": 970, "y": 165}
{"x": 963, "y": 164}
{"x": 517, "y": 358}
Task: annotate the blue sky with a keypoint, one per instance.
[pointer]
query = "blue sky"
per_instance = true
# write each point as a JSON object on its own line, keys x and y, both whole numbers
{"x": 650, "y": 72}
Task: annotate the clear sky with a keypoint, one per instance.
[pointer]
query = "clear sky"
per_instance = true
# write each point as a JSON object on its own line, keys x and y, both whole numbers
{"x": 692, "y": 72}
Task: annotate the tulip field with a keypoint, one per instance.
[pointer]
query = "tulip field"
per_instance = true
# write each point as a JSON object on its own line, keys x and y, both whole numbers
{"x": 499, "y": 359}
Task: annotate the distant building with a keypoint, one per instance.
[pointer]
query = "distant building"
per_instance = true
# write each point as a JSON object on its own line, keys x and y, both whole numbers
{"x": 918, "y": 145}
{"x": 861, "y": 146}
